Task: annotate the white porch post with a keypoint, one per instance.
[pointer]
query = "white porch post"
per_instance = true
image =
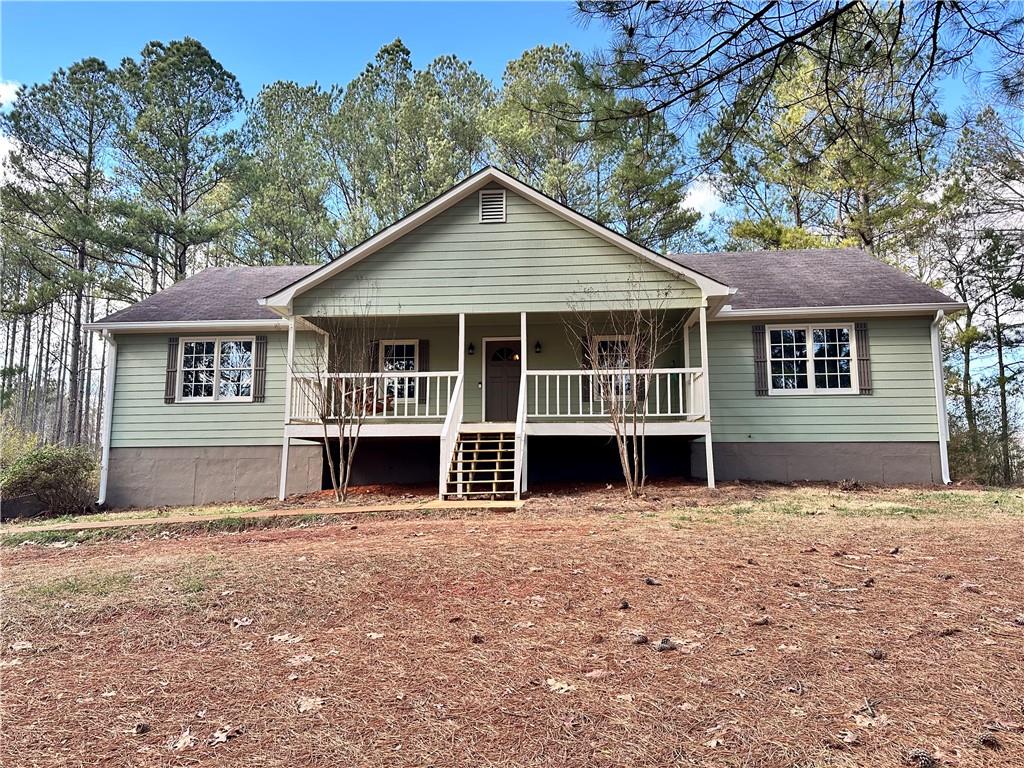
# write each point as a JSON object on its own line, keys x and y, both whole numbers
{"x": 524, "y": 343}
{"x": 462, "y": 343}
{"x": 286, "y": 440}
{"x": 708, "y": 447}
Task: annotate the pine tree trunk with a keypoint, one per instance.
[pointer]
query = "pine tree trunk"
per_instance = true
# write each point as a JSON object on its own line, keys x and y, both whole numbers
{"x": 23, "y": 373}
{"x": 75, "y": 362}
{"x": 1004, "y": 415}
{"x": 62, "y": 373}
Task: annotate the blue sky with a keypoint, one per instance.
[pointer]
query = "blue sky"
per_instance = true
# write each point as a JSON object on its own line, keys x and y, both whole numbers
{"x": 263, "y": 42}
{"x": 328, "y": 42}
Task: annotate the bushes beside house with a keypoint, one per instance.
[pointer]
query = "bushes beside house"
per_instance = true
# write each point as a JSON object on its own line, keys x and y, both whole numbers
{"x": 61, "y": 478}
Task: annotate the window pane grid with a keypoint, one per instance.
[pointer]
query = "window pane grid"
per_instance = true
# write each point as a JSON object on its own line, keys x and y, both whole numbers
{"x": 217, "y": 369}
{"x": 813, "y": 358}
{"x": 788, "y": 355}
{"x": 399, "y": 357}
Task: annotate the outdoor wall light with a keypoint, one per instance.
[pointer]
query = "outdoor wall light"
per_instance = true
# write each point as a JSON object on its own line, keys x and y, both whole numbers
{"x": 471, "y": 350}
{"x": 537, "y": 349}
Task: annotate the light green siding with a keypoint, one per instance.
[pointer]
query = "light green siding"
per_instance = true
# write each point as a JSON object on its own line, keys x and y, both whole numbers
{"x": 142, "y": 419}
{"x": 535, "y": 261}
{"x": 902, "y": 407}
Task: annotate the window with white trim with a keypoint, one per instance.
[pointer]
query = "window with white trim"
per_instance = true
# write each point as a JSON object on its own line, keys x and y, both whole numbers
{"x": 400, "y": 355}
{"x": 216, "y": 369}
{"x": 811, "y": 359}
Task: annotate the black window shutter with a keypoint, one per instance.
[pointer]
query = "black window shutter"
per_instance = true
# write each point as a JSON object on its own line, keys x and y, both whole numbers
{"x": 863, "y": 358}
{"x": 760, "y": 362}
{"x": 171, "y": 377}
{"x": 259, "y": 370}
{"x": 424, "y": 365}
{"x": 373, "y": 364}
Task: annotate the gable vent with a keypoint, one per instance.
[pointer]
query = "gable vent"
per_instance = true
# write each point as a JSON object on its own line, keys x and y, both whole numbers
{"x": 492, "y": 206}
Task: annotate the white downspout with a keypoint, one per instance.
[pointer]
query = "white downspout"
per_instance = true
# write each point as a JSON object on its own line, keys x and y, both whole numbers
{"x": 940, "y": 397}
{"x": 108, "y": 415}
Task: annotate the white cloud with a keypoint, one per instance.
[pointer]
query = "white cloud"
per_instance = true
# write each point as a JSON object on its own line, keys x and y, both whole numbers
{"x": 8, "y": 93}
{"x": 701, "y": 196}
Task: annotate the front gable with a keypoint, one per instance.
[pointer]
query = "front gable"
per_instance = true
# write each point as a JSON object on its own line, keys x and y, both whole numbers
{"x": 542, "y": 257}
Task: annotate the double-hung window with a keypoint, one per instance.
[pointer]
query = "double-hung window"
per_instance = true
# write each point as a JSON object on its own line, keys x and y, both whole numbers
{"x": 216, "y": 369}
{"x": 399, "y": 355}
{"x": 812, "y": 359}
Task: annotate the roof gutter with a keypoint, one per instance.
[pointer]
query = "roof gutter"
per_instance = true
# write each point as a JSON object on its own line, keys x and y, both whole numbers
{"x": 941, "y": 414}
{"x": 188, "y": 326}
{"x": 862, "y": 310}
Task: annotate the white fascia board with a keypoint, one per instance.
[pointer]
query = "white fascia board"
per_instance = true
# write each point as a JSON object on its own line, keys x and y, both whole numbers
{"x": 863, "y": 310}
{"x": 197, "y": 326}
{"x": 283, "y": 298}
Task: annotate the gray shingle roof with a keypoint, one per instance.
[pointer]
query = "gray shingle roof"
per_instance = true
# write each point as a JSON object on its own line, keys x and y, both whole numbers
{"x": 830, "y": 277}
{"x": 763, "y": 279}
{"x": 218, "y": 293}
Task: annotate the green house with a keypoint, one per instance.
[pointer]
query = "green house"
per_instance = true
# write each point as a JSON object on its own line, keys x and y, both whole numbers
{"x": 495, "y": 338}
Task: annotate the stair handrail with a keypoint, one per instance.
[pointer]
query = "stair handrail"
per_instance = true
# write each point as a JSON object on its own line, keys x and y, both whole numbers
{"x": 450, "y": 434}
{"x": 520, "y": 442}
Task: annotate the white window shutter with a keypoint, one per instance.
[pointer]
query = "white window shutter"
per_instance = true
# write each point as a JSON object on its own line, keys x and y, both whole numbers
{"x": 492, "y": 206}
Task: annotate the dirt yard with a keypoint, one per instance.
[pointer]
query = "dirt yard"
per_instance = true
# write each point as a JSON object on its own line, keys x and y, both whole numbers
{"x": 751, "y": 627}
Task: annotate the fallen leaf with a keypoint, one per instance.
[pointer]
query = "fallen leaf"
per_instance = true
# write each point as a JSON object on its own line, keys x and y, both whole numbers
{"x": 558, "y": 686}
{"x": 298, "y": 661}
{"x": 184, "y": 741}
{"x": 21, "y": 645}
{"x": 597, "y": 674}
{"x": 9, "y": 663}
{"x": 286, "y": 638}
{"x": 374, "y": 635}
{"x": 624, "y": 697}
{"x": 222, "y": 734}
{"x": 865, "y": 720}
{"x": 308, "y": 703}
{"x": 714, "y": 743}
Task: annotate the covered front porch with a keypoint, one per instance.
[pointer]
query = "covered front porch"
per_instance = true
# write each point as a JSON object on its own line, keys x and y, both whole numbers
{"x": 481, "y": 383}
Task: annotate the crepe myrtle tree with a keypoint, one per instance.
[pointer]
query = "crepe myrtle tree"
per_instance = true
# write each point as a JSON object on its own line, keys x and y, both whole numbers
{"x": 337, "y": 380}
{"x": 618, "y": 351}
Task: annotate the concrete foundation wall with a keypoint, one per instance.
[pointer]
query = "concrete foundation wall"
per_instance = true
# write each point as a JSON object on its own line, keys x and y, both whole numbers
{"x": 892, "y": 463}
{"x": 148, "y": 477}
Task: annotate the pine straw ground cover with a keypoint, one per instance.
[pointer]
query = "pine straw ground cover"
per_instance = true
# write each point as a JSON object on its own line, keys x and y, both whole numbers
{"x": 804, "y": 627}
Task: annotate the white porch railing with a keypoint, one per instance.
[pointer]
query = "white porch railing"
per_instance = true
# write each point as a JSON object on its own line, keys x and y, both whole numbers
{"x": 659, "y": 392}
{"x": 377, "y": 396}
{"x": 450, "y": 436}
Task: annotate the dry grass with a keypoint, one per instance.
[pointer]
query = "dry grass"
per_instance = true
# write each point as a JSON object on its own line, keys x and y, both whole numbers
{"x": 500, "y": 640}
